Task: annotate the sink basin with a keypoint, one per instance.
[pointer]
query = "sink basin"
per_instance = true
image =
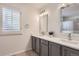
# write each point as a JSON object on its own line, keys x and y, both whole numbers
{"x": 71, "y": 41}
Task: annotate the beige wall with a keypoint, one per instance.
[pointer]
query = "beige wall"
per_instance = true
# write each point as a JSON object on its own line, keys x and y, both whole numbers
{"x": 14, "y": 43}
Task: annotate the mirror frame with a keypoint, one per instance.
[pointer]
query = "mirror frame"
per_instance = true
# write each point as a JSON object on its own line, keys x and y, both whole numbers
{"x": 61, "y": 18}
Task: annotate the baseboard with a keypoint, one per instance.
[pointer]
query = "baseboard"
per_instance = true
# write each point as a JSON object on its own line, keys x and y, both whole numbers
{"x": 17, "y": 52}
{"x": 12, "y": 54}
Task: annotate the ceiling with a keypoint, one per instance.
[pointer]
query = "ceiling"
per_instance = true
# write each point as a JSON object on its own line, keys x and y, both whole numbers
{"x": 36, "y": 5}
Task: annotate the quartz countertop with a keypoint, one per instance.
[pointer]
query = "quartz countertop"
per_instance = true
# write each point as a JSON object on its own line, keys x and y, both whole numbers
{"x": 69, "y": 43}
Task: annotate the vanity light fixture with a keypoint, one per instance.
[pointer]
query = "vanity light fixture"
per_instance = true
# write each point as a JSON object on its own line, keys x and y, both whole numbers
{"x": 43, "y": 13}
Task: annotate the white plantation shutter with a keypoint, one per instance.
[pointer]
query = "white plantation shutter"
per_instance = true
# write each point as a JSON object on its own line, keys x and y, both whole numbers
{"x": 0, "y": 19}
{"x": 11, "y": 20}
{"x": 16, "y": 21}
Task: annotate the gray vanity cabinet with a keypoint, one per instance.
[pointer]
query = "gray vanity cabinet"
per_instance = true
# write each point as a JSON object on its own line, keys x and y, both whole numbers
{"x": 54, "y": 49}
{"x": 33, "y": 43}
{"x": 36, "y": 44}
{"x": 44, "y": 48}
{"x": 69, "y": 51}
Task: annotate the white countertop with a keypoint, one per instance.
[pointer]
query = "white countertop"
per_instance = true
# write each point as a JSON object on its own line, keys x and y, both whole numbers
{"x": 69, "y": 43}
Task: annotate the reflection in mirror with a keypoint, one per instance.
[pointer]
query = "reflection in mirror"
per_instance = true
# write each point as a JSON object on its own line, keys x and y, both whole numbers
{"x": 43, "y": 26}
{"x": 70, "y": 19}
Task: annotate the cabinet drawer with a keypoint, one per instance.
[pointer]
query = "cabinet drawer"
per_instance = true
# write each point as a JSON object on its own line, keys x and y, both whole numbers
{"x": 45, "y": 42}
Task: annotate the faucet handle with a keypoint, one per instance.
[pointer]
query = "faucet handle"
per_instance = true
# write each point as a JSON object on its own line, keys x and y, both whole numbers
{"x": 69, "y": 36}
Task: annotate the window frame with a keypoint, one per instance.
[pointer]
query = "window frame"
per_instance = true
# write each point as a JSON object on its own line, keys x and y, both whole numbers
{"x": 12, "y": 32}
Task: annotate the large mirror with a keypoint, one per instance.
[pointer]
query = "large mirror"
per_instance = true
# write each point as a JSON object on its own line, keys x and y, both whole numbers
{"x": 70, "y": 18}
{"x": 43, "y": 20}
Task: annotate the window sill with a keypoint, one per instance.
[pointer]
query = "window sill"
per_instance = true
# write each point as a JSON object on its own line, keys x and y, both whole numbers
{"x": 10, "y": 33}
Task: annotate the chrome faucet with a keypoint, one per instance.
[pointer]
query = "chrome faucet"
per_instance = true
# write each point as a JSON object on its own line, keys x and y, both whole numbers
{"x": 69, "y": 36}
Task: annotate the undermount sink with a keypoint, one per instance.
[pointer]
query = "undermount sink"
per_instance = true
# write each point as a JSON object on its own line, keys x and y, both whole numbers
{"x": 71, "y": 41}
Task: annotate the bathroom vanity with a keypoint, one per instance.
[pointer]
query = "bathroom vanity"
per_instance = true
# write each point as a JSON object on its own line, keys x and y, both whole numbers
{"x": 46, "y": 46}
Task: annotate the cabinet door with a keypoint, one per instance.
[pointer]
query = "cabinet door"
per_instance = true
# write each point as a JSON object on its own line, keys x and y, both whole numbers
{"x": 44, "y": 50}
{"x": 54, "y": 49}
{"x": 33, "y": 43}
{"x": 69, "y": 52}
{"x": 38, "y": 45}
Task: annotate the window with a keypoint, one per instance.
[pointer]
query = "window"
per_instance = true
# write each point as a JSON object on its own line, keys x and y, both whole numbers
{"x": 10, "y": 20}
